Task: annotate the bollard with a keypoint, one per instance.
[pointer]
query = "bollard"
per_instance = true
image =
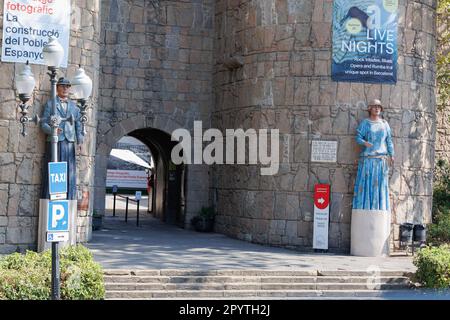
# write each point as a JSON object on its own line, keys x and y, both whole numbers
{"x": 114, "y": 205}
{"x": 137, "y": 212}
{"x": 126, "y": 211}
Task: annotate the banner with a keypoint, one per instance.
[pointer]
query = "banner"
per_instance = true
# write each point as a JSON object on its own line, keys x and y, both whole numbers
{"x": 365, "y": 41}
{"x": 132, "y": 179}
{"x": 27, "y": 25}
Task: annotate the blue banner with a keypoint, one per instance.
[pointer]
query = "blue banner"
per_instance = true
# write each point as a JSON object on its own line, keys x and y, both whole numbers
{"x": 365, "y": 41}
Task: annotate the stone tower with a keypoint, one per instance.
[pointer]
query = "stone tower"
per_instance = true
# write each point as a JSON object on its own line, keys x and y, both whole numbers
{"x": 262, "y": 64}
{"x": 285, "y": 83}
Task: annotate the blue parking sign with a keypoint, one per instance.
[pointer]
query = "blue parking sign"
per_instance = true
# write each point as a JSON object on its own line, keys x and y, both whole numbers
{"x": 57, "y": 177}
{"x": 58, "y": 216}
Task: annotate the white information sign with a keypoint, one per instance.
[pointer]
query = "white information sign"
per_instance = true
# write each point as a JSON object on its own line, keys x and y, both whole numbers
{"x": 27, "y": 25}
{"x": 323, "y": 151}
{"x": 57, "y": 236}
{"x": 133, "y": 179}
{"x": 138, "y": 195}
{"x": 321, "y": 216}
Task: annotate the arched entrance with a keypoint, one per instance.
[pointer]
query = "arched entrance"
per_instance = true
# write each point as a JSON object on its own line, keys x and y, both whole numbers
{"x": 172, "y": 204}
{"x": 169, "y": 197}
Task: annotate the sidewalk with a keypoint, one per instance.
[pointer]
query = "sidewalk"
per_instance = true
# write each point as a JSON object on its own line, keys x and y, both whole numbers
{"x": 155, "y": 245}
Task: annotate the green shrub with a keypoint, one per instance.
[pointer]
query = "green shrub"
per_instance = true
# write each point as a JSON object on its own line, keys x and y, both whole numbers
{"x": 439, "y": 230}
{"x": 433, "y": 266}
{"x": 28, "y": 276}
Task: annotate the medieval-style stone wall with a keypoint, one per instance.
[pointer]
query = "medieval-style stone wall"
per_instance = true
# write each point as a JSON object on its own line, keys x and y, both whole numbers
{"x": 163, "y": 64}
{"x": 21, "y": 158}
{"x": 156, "y": 64}
{"x": 285, "y": 83}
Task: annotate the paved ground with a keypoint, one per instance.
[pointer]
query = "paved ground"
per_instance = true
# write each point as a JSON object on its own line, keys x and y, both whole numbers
{"x": 155, "y": 245}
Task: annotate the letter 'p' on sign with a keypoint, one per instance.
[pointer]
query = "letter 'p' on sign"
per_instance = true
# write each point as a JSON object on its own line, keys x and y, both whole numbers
{"x": 58, "y": 216}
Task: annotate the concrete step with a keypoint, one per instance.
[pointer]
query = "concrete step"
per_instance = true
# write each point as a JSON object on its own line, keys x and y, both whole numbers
{"x": 246, "y": 272}
{"x": 347, "y": 279}
{"x": 251, "y": 286}
{"x": 254, "y": 284}
{"x": 204, "y": 279}
{"x": 230, "y": 294}
{"x": 251, "y": 279}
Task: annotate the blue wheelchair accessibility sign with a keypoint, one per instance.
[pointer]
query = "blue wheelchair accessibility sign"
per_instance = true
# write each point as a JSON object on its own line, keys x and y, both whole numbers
{"x": 57, "y": 177}
{"x": 58, "y": 216}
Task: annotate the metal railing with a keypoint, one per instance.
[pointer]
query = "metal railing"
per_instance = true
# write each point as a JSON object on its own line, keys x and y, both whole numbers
{"x": 128, "y": 199}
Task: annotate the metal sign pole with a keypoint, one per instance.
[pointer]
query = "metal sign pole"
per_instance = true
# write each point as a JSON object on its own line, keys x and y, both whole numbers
{"x": 55, "y": 120}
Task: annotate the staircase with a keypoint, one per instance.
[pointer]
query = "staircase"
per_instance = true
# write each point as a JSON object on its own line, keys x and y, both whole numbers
{"x": 250, "y": 284}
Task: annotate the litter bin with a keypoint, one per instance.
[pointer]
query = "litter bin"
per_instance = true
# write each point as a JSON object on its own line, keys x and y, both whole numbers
{"x": 419, "y": 233}
{"x": 406, "y": 232}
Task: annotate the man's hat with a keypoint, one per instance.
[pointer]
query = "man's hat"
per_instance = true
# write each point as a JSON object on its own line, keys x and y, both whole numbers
{"x": 375, "y": 102}
{"x": 63, "y": 82}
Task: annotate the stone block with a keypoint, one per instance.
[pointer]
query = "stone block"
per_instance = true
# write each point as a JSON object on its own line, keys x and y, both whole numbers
{"x": 305, "y": 229}
{"x": 7, "y": 167}
{"x": 3, "y": 222}
{"x": 321, "y": 120}
{"x": 321, "y": 35}
{"x": 277, "y": 228}
{"x": 19, "y": 236}
{"x": 293, "y": 207}
{"x": 301, "y": 177}
{"x": 307, "y": 206}
{"x": 291, "y": 229}
{"x": 267, "y": 201}
{"x": 340, "y": 119}
{"x": 280, "y": 205}
{"x": 4, "y": 133}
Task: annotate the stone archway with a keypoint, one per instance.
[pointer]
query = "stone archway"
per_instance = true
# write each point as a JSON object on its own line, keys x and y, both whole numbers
{"x": 140, "y": 127}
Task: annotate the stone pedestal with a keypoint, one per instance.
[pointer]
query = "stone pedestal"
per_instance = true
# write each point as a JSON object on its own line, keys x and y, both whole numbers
{"x": 42, "y": 232}
{"x": 370, "y": 231}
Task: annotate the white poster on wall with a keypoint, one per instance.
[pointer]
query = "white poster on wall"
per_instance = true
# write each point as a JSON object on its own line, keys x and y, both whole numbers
{"x": 133, "y": 179}
{"x": 27, "y": 25}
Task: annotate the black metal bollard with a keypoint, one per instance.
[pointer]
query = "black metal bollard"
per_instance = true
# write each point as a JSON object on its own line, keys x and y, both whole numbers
{"x": 137, "y": 212}
{"x": 126, "y": 211}
{"x": 114, "y": 205}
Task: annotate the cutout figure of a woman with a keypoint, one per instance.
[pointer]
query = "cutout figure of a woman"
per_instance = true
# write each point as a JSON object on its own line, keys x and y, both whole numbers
{"x": 371, "y": 216}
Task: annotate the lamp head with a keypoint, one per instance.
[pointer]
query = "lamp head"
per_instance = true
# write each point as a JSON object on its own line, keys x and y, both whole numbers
{"x": 81, "y": 85}
{"x": 25, "y": 83}
{"x": 53, "y": 53}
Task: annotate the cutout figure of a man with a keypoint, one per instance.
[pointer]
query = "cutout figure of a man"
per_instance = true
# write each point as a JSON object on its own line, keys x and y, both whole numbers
{"x": 69, "y": 134}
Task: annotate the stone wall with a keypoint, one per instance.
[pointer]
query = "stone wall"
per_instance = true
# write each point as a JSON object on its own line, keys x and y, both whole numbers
{"x": 156, "y": 72}
{"x": 285, "y": 83}
{"x": 21, "y": 158}
{"x": 163, "y": 64}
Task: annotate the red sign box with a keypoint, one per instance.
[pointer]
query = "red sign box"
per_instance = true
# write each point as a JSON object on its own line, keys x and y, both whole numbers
{"x": 322, "y": 196}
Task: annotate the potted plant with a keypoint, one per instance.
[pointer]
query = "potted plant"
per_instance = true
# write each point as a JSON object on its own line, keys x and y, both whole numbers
{"x": 204, "y": 221}
{"x": 96, "y": 220}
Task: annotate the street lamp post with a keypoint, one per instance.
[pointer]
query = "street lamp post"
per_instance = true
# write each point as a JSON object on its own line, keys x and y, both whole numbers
{"x": 53, "y": 54}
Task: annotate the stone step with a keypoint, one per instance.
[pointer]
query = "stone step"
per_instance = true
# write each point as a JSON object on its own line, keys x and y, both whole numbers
{"x": 246, "y": 272}
{"x": 248, "y": 279}
{"x": 358, "y": 279}
{"x": 206, "y": 279}
{"x": 230, "y": 294}
{"x": 251, "y": 286}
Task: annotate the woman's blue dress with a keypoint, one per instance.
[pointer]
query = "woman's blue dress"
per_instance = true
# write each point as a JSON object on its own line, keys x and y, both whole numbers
{"x": 371, "y": 190}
